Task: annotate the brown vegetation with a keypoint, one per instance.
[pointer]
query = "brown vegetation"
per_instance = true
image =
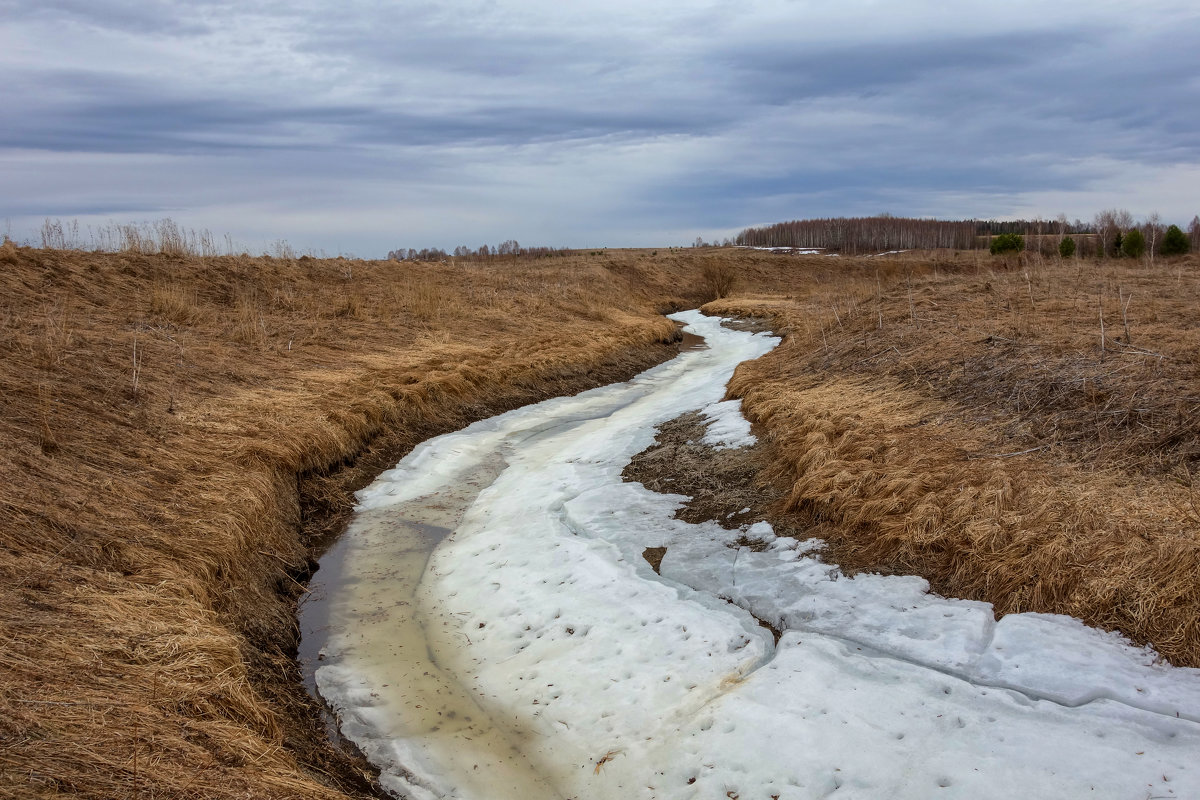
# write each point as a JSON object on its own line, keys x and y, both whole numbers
{"x": 178, "y": 431}
{"x": 158, "y": 417}
{"x": 1024, "y": 435}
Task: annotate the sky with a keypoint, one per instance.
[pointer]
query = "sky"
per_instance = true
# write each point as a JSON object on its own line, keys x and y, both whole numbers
{"x": 360, "y": 126}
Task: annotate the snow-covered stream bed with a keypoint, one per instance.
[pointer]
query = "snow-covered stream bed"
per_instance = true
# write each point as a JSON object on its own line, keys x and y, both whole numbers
{"x": 533, "y": 652}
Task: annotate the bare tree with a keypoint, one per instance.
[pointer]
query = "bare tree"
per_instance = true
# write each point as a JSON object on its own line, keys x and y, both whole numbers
{"x": 1194, "y": 233}
{"x": 1153, "y": 232}
{"x": 1106, "y": 227}
{"x": 852, "y": 234}
{"x": 1110, "y": 223}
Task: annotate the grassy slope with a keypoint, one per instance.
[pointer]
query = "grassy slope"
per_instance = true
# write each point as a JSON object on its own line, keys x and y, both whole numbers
{"x": 904, "y": 399}
{"x": 158, "y": 415}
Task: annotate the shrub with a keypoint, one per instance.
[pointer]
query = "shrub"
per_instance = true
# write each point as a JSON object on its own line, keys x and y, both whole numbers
{"x": 719, "y": 278}
{"x": 1175, "y": 242}
{"x": 1133, "y": 244}
{"x": 1007, "y": 243}
{"x": 1066, "y": 248}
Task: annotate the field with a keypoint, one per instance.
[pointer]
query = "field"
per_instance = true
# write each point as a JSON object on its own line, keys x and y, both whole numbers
{"x": 1023, "y": 433}
{"x": 180, "y": 435}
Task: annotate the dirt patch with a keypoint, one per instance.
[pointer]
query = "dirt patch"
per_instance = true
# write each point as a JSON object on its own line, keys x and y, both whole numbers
{"x": 654, "y": 557}
{"x": 726, "y": 486}
{"x": 754, "y": 545}
{"x": 750, "y": 324}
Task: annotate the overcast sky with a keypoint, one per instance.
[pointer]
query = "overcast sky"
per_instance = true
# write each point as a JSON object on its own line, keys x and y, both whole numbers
{"x": 358, "y": 126}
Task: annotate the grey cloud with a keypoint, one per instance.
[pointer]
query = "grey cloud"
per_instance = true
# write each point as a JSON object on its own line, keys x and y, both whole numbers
{"x": 97, "y": 112}
{"x": 133, "y": 16}
{"x": 780, "y": 74}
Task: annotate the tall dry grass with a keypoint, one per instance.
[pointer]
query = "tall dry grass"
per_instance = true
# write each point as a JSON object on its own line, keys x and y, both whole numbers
{"x": 164, "y": 237}
{"x": 965, "y": 421}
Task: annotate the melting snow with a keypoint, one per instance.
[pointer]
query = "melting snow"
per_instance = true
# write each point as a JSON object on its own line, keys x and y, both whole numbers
{"x": 616, "y": 682}
{"x": 727, "y": 428}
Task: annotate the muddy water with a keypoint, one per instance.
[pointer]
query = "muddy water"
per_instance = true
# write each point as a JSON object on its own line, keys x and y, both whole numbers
{"x": 691, "y": 341}
{"x": 374, "y": 571}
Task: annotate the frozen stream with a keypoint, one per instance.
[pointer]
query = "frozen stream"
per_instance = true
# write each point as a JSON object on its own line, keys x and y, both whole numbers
{"x": 496, "y": 633}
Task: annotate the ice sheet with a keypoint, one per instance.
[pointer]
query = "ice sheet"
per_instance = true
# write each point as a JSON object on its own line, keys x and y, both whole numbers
{"x": 616, "y": 682}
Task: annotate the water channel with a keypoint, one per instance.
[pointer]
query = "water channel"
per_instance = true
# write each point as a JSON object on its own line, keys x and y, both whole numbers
{"x": 487, "y": 628}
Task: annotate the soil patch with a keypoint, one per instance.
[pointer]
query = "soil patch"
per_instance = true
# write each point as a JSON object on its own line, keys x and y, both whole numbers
{"x": 726, "y": 486}
{"x": 654, "y": 557}
{"x": 750, "y": 324}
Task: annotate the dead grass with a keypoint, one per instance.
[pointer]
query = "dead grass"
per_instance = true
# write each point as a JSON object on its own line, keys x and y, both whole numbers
{"x": 720, "y": 278}
{"x": 169, "y": 425}
{"x": 159, "y": 416}
{"x": 966, "y": 424}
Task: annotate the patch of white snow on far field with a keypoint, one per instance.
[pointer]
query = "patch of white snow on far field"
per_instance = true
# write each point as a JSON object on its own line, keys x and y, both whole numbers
{"x": 798, "y": 251}
{"x": 727, "y": 428}
{"x": 622, "y": 683}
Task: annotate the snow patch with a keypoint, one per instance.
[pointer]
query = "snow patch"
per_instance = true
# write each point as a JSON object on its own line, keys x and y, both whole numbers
{"x": 727, "y": 428}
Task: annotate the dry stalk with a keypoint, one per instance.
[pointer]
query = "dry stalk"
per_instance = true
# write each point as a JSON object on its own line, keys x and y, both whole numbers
{"x": 1125, "y": 313}
{"x": 137, "y": 368}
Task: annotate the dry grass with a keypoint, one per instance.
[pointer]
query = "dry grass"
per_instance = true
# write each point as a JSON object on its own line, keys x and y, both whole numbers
{"x": 720, "y": 278}
{"x": 173, "y": 428}
{"x": 965, "y": 424}
{"x": 159, "y": 415}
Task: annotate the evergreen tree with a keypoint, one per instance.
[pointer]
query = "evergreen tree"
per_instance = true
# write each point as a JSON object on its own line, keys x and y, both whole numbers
{"x": 1007, "y": 243}
{"x": 1133, "y": 244}
{"x": 1066, "y": 248}
{"x": 1175, "y": 242}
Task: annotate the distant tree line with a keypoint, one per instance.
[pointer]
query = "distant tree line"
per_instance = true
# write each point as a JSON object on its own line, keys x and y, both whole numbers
{"x": 1103, "y": 236}
{"x": 1028, "y": 227}
{"x": 507, "y": 249}
{"x": 859, "y": 234}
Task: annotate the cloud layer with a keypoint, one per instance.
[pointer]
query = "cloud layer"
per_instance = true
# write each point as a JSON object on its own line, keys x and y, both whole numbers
{"x": 365, "y": 126}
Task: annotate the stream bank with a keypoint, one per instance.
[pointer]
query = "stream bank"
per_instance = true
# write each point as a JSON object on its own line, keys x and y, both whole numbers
{"x": 326, "y": 501}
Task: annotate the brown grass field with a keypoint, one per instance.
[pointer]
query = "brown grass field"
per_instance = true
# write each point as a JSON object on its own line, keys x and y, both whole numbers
{"x": 178, "y": 434}
{"x": 965, "y": 422}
